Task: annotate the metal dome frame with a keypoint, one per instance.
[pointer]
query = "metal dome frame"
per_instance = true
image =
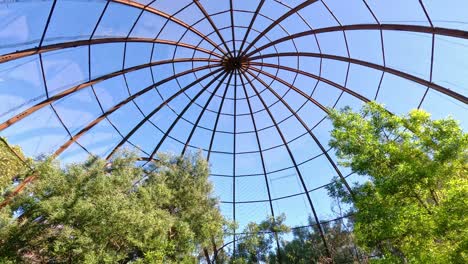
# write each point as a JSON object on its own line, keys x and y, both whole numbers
{"x": 229, "y": 63}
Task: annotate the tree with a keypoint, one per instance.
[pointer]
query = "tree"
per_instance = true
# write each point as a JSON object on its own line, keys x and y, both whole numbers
{"x": 413, "y": 206}
{"x": 13, "y": 164}
{"x": 99, "y": 213}
{"x": 256, "y": 243}
{"x": 307, "y": 245}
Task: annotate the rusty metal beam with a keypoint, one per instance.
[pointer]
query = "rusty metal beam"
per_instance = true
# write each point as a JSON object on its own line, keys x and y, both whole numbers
{"x": 122, "y": 103}
{"x": 299, "y": 91}
{"x": 161, "y": 106}
{"x": 79, "y": 87}
{"x": 395, "y": 27}
{"x": 170, "y": 18}
{"x": 396, "y": 72}
{"x": 39, "y": 50}
{"x": 311, "y": 75}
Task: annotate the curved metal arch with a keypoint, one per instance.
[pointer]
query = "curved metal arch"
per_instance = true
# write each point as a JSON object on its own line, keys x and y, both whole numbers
{"x": 393, "y": 71}
{"x": 79, "y": 87}
{"x": 276, "y": 22}
{"x": 318, "y": 78}
{"x": 160, "y": 107}
{"x": 169, "y": 18}
{"x": 395, "y": 27}
{"x": 72, "y": 44}
{"x": 119, "y": 105}
{"x": 299, "y": 91}
{"x": 293, "y": 161}
{"x": 168, "y": 131}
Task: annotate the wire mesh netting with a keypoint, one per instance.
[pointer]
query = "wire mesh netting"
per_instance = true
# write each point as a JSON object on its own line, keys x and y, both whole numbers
{"x": 248, "y": 83}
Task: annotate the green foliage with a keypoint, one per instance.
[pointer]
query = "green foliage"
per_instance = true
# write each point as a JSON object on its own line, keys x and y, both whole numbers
{"x": 11, "y": 165}
{"x": 257, "y": 242}
{"x": 118, "y": 213}
{"x": 307, "y": 245}
{"x": 413, "y": 207}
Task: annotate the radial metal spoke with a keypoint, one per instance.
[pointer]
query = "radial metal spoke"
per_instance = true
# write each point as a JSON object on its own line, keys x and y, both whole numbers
{"x": 309, "y": 130}
{"x": 294, "y": 88}
{"x": 195, "y": 125}
{"x": 160, "y": 107}
{"x": 277, "y": 22}
{"x": 208, "y": 17}
{"x": 431, "y": 69}
{"x": 262, "y": 161}
{"x": 232, "y": 28}
{"x": 215, "y": 126}
{"x": 168, "y": 131}
{"x": 122, "y": 103}
{"x": 257, "y": 11}
{"x": 47, "y": 23}
{"x": 318, "y": 78}
{"x": 265, "y": 106}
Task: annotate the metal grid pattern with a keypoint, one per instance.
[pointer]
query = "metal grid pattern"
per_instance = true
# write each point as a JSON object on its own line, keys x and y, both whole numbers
{"x": 247, "y": 83}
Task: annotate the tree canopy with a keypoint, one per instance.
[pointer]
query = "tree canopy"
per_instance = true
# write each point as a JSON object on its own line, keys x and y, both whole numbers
{"x": 113, "y": 213}
{"x": 408, "y": 207}
{"x": 411, "y": 205}
{"x": 13, "y": 164}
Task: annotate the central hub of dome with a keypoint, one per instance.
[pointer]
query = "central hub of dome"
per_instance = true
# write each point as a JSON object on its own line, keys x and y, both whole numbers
{"x": 234, "y": 63}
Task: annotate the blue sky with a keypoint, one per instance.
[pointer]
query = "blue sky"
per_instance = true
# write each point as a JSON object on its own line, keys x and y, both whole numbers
{"x": 21, "y": 86}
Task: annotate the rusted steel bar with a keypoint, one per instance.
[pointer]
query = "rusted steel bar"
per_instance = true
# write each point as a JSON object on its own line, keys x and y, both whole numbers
{"x": 396, "y": 72}
{"x": 396, "y": 27}
{"x": 53, "y": 47}
{"x": 170, "y": 18}
{"x": 76, "y": 88}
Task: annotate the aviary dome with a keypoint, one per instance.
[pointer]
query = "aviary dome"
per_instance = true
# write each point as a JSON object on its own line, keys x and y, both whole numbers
{"x": 248, "y": 83}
